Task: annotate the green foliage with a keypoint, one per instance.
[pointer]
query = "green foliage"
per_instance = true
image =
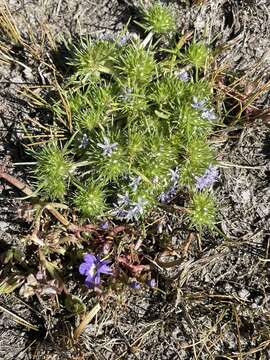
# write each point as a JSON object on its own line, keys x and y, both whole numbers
{"x": 202, "y": 211}
{"x": 90, "y": 200}
{"x": 198, "y": 54}
{"x": 159, "y": 19}
{"x": 136, "y": 66}
{"x": 53, "y": 170}
{"x": 140, "y": 131}
{"x": 198, "y": 156}
{"x": 91, "y": 59}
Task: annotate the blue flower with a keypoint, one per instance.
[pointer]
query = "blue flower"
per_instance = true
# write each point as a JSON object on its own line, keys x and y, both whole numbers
{"x": 207, "y": 179}
{"x": 119, "y": 213}
{"x": 92, "y": 267}
{"x": 104, "y": 225}
{"x": 107, "y": 146}
{"x": 207, "y": 114}
{"x": 125, "y": 38}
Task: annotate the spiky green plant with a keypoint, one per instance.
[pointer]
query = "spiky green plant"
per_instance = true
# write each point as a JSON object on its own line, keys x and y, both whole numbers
{"x": 136, "y": 66}
{"x": 159, "y": 19}
{"x": 91, "y": 59}
{"x": 139, "y": 130}
{"x": 53, "y": 171}
{"x": 90, "y": 200}
{"x": 202, "y": 211}
{"x": 198, "y": 54}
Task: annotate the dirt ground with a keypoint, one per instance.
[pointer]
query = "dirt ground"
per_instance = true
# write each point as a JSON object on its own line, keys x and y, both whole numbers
{"x": 218, "y": 304}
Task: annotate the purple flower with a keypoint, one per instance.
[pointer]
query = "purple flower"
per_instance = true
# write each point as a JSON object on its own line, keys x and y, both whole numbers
{"x": 135, "y": 285}
{"x": 207, "y": 179}
{"x": 84, "y": 142}
{"x": 151, "y": 283}
{"x": 198, "y": 104}
{"x": 127, "y": 210}
{"x": 107, "y": 146}
{"x": 207, "y": 114}
{"x": 126, "y": 37}
{"x": 92, "y": 267}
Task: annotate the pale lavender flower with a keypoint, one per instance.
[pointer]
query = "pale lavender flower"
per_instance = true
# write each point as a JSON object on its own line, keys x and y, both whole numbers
{"x": 135, "y": 183}
{"x": 84, "y": 142}
{"x": 107, "y": 146}
{"x": 123, "y": 200}
{"x": 127, "y": 210}
{"x": 136, "y": 209}
{"x": 174, "y": 175}
{"x": 106, "y": 37}
{"x": 151, "y": 283}
{"x": 92, "y": 267}
{"x": 126, "y": 94}
{"x": 120, "y": 213}
{"x": 198, "y": 104}
{"x": 207, "y": 179}
{"x": 209, "y": 114}
{"x": 155, "y": 180}
{"x": 104, "y": 225}
{"x": 183, "y": 76}
{"x": 166, "y": 196}
{"x": 135, "y": 285}
{"x": 125, "y": 38}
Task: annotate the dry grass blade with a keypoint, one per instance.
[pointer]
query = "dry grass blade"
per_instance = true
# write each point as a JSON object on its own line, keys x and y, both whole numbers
{"x": 8, "y": 25}
{"x": 19, "y": 319}
{"x": 86, "y": 320}
{"x": 8, "y": 285}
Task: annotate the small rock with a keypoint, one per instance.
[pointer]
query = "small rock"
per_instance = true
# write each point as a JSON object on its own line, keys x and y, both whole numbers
{"x": 243, "y": 294}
